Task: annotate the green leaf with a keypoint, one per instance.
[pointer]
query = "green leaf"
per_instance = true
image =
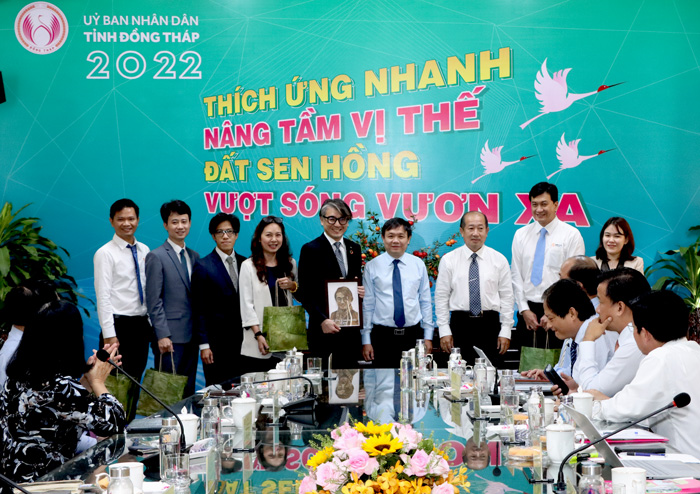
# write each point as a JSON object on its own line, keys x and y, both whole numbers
{"x": 5, "y": 262}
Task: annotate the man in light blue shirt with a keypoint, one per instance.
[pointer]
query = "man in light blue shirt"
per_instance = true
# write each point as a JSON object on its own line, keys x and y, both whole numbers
{"x": 397, "y": 309}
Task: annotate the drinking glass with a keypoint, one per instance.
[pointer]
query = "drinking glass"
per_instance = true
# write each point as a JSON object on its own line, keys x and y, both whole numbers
{"x": 177, "y": 470}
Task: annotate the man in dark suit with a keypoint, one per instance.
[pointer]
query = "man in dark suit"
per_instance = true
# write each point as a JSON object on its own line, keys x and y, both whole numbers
{"x": 330, "y": 257}
{"x": 168, "y": 295}
{"x": 215, "y": 302}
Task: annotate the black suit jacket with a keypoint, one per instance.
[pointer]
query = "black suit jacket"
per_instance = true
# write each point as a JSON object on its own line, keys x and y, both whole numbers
{"x": 317, "y": 263}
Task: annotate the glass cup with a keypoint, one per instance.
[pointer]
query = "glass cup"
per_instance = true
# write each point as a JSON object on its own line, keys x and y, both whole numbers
{"x": 510, "y": 403}
{"x": 314, "y": 365}
{"x": 177, "y": 470}
{"x": 226, "y": 410}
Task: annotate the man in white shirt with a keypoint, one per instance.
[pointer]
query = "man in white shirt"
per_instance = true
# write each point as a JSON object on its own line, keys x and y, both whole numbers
{"x": 617, "y": 288}
{"x": 397, "y": 308}
{"x": 120, "y": 283}
{"x": 570, "y": 311}
{"x": 474, "y": 295}
{"x": 671, "y": 366}
{"x": 539, "y": 249}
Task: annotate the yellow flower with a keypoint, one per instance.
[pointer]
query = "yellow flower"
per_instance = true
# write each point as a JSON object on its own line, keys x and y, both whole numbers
{"x": 370, "y": 428}
{"x": 320, "y": 457}
{"x": 382, "y": 445}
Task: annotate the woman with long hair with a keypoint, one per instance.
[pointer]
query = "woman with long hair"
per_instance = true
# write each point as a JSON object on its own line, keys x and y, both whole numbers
{"x": 45, "y": 405}
{"x": 267, "y": 278}
{"x": 616, "y": 247}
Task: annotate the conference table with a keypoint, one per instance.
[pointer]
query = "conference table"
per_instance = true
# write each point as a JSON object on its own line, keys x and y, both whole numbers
{"x": 283, "y": 444}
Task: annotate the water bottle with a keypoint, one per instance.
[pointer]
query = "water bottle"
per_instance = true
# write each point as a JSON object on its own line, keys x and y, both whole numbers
{"x": 169, "y": 441}
{"x": 507, "y": 381}
{"x": 119, "y": 481}
{"x": 535, "y": 413}
{"x": 211, "y": 420}
{"x": 247, "y": 388}
{"x": 480, "y": 377}
{"x": 591, "y": 479}
{"x": 406, "y": 370}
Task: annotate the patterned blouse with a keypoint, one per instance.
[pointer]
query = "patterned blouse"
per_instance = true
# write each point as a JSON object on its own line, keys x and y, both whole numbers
{"x": 41, "y": 427}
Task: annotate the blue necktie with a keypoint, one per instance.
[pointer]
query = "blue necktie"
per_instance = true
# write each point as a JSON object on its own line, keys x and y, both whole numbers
{"x": 538, "y": 264}
{"x": 399, "y": 317}
{"x": 474, "y": 290}
{"x": 574, "y": 354}
{"x": 183, "y": 260}
{"x": 133, "y": 250}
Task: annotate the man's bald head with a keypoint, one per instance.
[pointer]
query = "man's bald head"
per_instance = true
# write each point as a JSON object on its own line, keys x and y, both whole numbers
{"x": 582, "y": 270}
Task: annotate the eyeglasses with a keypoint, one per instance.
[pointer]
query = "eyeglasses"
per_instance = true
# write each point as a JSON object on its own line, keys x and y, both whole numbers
{"x": 221, "y": 233}
{"x": 332, "y": 220}
{"x": 272, "y": 219}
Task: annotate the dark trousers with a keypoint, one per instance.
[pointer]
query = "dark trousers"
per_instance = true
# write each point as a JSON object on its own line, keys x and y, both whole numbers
{"x": 226, "y": 366}
{"x": 134, "y": 334}
{"x": 524, "y": 336}
{"x": 346, "y": 347}
{"x": 185, "y": 357}
{"x": 388, "y": 343}
{"x": 482, "y": 331}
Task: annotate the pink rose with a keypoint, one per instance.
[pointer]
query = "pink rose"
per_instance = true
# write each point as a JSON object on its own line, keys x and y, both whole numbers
{"x": 336, "y": 433}
{"x": 444, "y": 488}
{"x": 359, "y": 462}
{"x": 408, "y": 436}
{"x": 417, "y": 464}
{"x": 438, "y": 465}
{"x": 307, "y": 485}
{"x": 351, "y": 439}
{"x": 329, "y": 476}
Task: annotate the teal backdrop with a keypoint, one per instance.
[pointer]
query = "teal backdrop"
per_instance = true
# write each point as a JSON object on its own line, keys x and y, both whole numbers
{"x": 262, "y": 107}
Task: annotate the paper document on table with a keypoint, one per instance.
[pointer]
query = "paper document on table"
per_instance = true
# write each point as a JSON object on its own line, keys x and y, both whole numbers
{"x": 635, "y": 435}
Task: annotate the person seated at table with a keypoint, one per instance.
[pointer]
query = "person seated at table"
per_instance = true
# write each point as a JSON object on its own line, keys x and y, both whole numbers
{"x": 671, "y": 366}
{"x": 267, "y": 278}
{"x": 569, "y": 312}
{"x": 616, "y": 247}
{"x": 46, "y": 406}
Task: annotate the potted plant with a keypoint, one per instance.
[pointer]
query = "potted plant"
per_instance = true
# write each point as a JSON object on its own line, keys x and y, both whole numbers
{"x": 681, "y": 270}
{"x": 26, "y": 254}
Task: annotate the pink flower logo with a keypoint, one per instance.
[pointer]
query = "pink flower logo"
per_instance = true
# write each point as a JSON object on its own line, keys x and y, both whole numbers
{"x": 41, "y": 28}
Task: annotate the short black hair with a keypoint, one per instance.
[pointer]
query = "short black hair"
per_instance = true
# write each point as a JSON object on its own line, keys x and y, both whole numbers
{"x": 52, "y": 346}
{"x": 121, "y": 204}
{"x": 624, "y": 284}
{"x": 220, "y": 218}
{"x": 175, "y": 206}
{"x": 662, "y": 313}
{"x": 337, "y": 204}
{"x": 541, "y": 188}
{"x": 585, "y": 271}
{"x": 565, "y": 294}
{"x": 392, "y": 223}
{"x": 462, "y": 221}
{"x": 24, "y": 301}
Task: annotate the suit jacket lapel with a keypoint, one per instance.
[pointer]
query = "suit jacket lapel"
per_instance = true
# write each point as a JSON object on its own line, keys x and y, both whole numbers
{"x": 222, "y": 270}
{"x": 178, "y": 265}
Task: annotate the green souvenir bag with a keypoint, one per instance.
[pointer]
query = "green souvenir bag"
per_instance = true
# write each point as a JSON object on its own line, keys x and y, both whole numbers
{"x": 538, "y": 358}
{"x": 119, "y": 386}
{"x": 165, "y": 385}
{"x": 285, "y": 327}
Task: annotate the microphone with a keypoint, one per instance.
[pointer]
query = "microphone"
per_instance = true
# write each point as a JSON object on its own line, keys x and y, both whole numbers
{"x": 103, "y": 355}
{"x": 679, "y": 401}
{"x": 13, "y": 485}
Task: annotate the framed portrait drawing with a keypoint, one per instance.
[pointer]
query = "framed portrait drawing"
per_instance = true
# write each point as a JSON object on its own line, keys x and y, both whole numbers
{"x": 343, "y": 303}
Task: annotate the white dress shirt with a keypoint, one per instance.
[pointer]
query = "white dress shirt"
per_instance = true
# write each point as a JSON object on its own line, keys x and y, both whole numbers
{"x": 177, "y": 250}
{"x": 663, "y": 373}
{"x": 341, "y": 247}
{"x": 378, "y": 304}
{"x": 7, "y": 352}
{"x": 116, "y": 288}
{"x": 495, "y": 287}
{"x": 562, "y": 241}
{"x": 602, "y": 352}
{"x": 617, "y": 373}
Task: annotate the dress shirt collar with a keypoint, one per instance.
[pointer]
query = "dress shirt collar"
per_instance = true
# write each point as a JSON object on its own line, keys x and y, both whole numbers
{"x": 342, "y": 241}
{"x": 15, "y": 334}
{"x": 121, "y": 243}
{"x": 388, "y": 260}
{"x": 223, "y": 255}
{"x": 551, "y": 226}
{"x": 176, "y": 247}
{"x": 479, "y": 253}
{"x": 596, "y": 302}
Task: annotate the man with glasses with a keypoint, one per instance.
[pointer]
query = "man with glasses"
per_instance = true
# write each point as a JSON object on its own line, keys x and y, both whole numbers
{"x": 215, "y": 302}
{"x": 330, "y": 257}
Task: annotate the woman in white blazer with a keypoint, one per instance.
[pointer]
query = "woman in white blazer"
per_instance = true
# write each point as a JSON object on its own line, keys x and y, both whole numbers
{"x": 616, "y": 247}
{"x": 270, "y": 273}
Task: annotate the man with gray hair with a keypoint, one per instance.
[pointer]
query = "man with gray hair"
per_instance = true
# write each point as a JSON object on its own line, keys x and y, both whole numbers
{"x": 330, "y": 257}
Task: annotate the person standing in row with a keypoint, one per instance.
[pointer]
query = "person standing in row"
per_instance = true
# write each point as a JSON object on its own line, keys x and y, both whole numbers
{"x": 120, "y": 282}
{"x": 539, "y": 249}
{"x": 474, "y": 295}
{"x": 329, "y": 257}
{"x": 397, "y": 308}
{"x": 216, "y": 304}
{"x": 168, "y": 294}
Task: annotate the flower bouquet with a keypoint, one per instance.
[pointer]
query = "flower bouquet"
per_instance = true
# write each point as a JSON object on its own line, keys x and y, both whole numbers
{"x": 374, "y": 459}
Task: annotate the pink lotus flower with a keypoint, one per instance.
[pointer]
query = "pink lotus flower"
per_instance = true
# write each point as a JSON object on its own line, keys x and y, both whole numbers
{"x": 359, "y": 462}
{"x": 416, "y": 465}
{"x": 308, "y": 485}
{"x": 350, "y": 439}
{"x": 444, "y": 488}
{"x": 329, "y": 476}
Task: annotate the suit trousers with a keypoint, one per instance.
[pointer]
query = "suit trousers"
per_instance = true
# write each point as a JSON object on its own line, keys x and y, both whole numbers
{"x": 388, "y": 345}
{"x": 481, "y": 331}
{"x": 134, "y": 334}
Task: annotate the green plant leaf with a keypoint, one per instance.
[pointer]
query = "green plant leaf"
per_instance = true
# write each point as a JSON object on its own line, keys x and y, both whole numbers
{"x": 5, "y": 262}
